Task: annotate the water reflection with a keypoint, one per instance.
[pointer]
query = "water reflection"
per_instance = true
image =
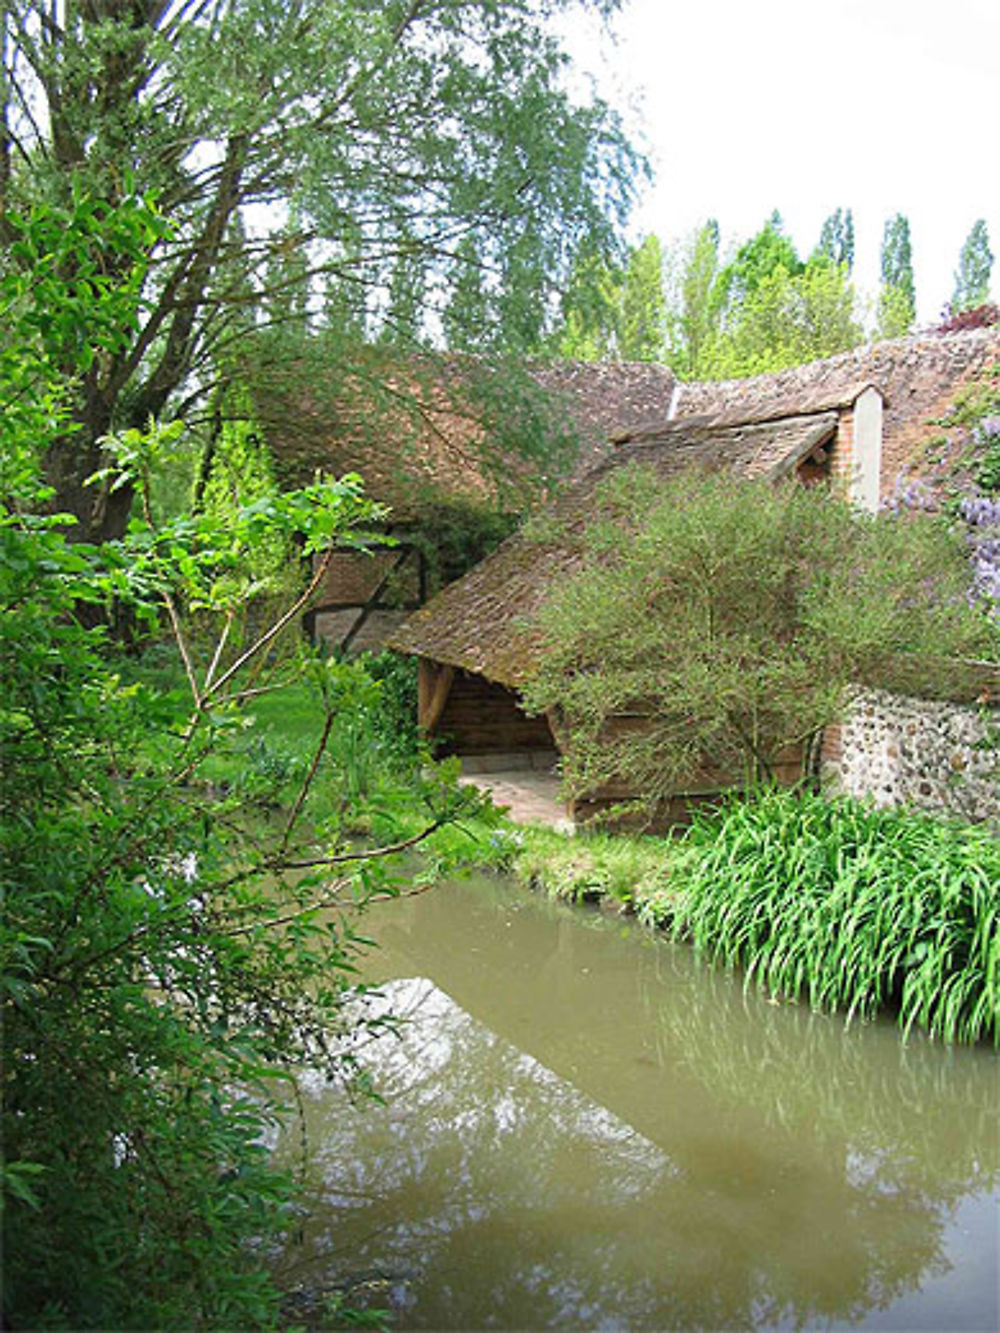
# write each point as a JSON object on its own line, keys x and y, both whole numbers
{"x": 586, "y": 1129}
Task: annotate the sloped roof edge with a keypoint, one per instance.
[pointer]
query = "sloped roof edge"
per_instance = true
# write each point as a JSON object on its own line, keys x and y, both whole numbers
{"x": 482, "y": 622}
{"x": 824, "y": 400}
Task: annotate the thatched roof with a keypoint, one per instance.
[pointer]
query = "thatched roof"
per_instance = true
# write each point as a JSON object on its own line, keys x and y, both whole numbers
{"x": 480, "y": 623}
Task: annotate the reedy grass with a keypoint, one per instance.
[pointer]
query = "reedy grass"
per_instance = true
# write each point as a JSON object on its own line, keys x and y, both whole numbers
{"x": 851, "y": 907}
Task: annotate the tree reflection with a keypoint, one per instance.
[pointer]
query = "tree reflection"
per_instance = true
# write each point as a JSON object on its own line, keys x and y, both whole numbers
{"x": 674, "y": 1156}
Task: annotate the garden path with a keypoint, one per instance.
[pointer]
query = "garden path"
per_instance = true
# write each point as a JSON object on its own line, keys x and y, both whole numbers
{"x": 530, "y": 796}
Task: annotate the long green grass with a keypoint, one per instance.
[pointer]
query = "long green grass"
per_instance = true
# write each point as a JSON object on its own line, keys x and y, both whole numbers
{"x": 848, "y": 906}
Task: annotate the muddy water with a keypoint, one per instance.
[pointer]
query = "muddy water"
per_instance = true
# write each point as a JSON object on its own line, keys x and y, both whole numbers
{"x": 585, "y": 1128}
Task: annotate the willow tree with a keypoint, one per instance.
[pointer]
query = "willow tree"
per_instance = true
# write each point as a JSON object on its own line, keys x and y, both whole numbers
{"x": 382, "y": 129}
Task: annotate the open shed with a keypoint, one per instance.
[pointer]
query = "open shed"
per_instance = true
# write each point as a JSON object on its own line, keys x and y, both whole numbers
{"x": 475, "y": 643}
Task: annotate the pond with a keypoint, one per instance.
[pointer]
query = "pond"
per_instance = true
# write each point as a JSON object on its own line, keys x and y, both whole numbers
{"x": 587, "y": 1128}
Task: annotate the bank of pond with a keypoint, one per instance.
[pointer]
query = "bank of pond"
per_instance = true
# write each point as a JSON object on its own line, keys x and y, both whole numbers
{"x": 833, "y": 901}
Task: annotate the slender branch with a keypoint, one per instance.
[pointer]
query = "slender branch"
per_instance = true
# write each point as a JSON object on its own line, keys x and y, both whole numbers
{"x": 182, "y": 648}
{"x": 274, "y": 631}
{"x": 303, "y": 792}
{"x": 317, "y": 904}
{"x": 219, "y": 647}
{"x": 389, "y": 849}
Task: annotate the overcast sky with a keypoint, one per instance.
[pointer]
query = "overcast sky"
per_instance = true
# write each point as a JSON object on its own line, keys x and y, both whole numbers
{"x": 882, "y": 106}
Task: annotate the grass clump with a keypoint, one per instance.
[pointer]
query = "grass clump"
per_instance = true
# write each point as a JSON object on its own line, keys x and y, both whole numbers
{"x": 595, "y": 867}
{"x": 849, "y": 906}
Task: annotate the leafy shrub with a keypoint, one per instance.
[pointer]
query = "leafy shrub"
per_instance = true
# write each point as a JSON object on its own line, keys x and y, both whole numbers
{"x": 731, "y": 617}
{"x": 396, "y": 715}
{"x": 162, "y": 966}
{"x": 457, "y": 535}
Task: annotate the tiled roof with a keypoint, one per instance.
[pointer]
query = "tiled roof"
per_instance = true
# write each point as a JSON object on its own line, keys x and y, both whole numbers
{"x": 757, "y": 427}
{"x": 919, "y": 378}
{"x": 480, "y": 623}
{"x": 429, "y": 433}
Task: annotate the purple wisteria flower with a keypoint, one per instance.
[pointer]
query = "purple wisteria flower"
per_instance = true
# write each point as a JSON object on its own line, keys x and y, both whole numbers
{"x": 909, "y": 495}
{"x": 982, "y": 514}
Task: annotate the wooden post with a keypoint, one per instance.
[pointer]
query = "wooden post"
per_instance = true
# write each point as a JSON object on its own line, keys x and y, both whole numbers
{"x": 433, "y": 684}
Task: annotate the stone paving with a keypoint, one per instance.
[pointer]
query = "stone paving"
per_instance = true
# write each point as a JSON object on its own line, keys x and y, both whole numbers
{"x": 530, "y": 796}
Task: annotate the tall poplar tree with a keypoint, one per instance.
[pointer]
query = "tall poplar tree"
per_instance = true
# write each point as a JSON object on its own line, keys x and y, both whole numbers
{"x": 836, "y": 238}
{"x": 642, "y": 308}
{"x": 698, "y": 298}
{"x": 897, "y": 309}
{"x": 975, "y": 265}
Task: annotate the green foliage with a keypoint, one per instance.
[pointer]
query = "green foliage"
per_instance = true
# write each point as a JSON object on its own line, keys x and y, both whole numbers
{"x": 589, "y": 309}
{"x": 456, "y": 535}
{"x": 167, "y": 960}
{"x": 69, "y": 298}
{"x": 897, "y": 307}
{"x": 697, "y": 303}
{"x": 407, "y": 297}
{"x": 786, "y": 319}
{"x": 612, "y": 310}
{"x": 851, "y": 907}
{"x": 466, "y": 319}
{"x": 598, "y": 867}
{"x": 727, "y": 619}
{"x": 764, "y": 310}
{"x": 159, "y": 968}
{"x": 369, "y": 130}
{"x": 967, "y": 461}
{"x": 975, "y": 265}
{"x": 766, "y": 254}
{"x": 836, "y": 239}
{"x": 643, "y": 310}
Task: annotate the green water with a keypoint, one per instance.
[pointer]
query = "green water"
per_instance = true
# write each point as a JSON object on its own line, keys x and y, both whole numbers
{"x": 586, "y": 1128}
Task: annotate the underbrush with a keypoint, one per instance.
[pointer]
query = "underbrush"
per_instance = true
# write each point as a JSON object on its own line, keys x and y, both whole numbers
{"x": 592, "y": 867}
{"x": 376, "y": 782}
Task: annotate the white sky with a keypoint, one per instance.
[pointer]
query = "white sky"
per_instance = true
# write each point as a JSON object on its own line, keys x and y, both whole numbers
{"x": 744, "y": 106}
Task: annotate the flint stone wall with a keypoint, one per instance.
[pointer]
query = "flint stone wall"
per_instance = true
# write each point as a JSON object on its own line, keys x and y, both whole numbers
{"x": 932, "y": 756}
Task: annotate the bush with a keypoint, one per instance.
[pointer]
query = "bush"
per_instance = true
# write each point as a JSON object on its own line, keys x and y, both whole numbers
{"x": 727, "y": 620}
{"x": 166, "y": 961}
